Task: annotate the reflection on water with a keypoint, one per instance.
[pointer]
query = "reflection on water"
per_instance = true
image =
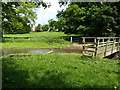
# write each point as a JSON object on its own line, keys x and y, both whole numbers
{"x": 62, "y": 51}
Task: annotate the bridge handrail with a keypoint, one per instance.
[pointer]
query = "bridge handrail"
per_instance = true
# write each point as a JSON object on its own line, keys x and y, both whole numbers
{"x": 109, "y": 45}
{"x": 101, "y": 37}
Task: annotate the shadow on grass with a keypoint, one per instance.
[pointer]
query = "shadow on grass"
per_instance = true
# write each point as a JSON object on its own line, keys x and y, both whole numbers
{"x": 18, "y": 79}
{"x": 50, "y": 79}
{"x": 15, "y": 77}
{"x": 12, "y": 76}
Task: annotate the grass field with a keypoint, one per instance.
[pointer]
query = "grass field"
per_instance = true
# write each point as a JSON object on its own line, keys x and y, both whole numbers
{"x": 37, "y": 34}
{"x": 59, "y": 71}
{"x": 54, "y": 70}
{"x": 38, "y": 40}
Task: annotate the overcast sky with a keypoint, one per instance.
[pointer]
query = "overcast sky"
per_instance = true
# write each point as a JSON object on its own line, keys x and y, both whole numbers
{"x": 43, "y": 15}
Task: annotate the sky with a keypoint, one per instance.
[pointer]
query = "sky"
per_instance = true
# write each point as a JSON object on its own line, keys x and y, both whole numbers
{"x": 43, "y": 15}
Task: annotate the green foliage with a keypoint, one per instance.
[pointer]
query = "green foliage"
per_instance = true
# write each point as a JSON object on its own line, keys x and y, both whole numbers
{"x": 60, "y": 25}
{"x": 52, "y": 24}
{"x": 90, "y": 19}
{"x": 59, "y": 71}
{"x": 17, "y": 16}
{"x": 38, "y": 28}
{"x": 46, "y": 27}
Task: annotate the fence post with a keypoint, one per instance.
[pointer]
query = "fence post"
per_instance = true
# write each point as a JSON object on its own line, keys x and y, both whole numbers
{"x": 13, "y": 38}
{"x": 103, "y": 40}
{"x": 83, "y": 41}
{"x": 71, "y": 39}
{"x": 95, "y": 40}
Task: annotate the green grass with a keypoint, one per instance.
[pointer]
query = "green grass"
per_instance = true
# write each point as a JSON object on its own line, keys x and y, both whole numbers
{"x": 39, "y": 34}
{"x": 54, "y": 70}
{"x": 38, "y": 40}
{"x": 59, "y": 71}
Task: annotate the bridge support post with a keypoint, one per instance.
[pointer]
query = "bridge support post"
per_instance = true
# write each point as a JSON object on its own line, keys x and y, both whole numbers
{"x": 119, "y": 44}
{"x": 96, "y": 46}
{"x": 106, "y": 48}
{"x": 113, "y": 45}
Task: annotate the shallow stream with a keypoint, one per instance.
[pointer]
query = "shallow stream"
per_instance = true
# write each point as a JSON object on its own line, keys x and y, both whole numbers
{"x": 5, "y": 52}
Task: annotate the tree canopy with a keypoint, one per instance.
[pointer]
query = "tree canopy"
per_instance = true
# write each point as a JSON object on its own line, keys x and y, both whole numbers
{"x": 38, "y": 28}
{"x": 91, "y": 19}
{"x": 83, "y": 18}
{"x": 17, "y": 16}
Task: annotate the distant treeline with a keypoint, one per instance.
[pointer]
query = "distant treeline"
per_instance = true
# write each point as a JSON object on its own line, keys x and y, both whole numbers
{"x": 82, "y": 18}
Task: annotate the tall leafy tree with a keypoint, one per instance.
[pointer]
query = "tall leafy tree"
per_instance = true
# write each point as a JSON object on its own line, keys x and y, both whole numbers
{"x": 52, "y": 25}
{"x": 38, "y": 28}
{"x": 45, "y": 27}
{"x": 91, "y": 19}
{"x": 61, "y": 25}
{"x": 17, "y": 16}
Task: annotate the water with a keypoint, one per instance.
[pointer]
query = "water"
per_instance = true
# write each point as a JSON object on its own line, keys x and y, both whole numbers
{"x": 40, "y": 51}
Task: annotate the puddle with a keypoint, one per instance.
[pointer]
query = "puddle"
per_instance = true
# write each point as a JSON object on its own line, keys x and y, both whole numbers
{"x": 41, "y": 51}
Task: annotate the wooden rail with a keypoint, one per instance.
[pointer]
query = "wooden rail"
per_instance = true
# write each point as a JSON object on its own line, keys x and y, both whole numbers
{"x": 102, "y": 46}
{"x": 98, "y": 46}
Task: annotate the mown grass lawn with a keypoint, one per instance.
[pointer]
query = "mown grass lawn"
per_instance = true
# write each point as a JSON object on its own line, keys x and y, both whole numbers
{"x": 59, "y": 71}
{"x": 38, "y": 40}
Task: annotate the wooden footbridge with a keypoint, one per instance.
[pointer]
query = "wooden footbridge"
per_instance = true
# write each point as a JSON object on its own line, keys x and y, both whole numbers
{"x": 100, "y": 46}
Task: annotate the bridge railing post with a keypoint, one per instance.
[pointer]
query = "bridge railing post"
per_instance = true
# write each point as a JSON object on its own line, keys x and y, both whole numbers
{"x": 113, "y": 45}
{"x": 96, "y": 46}
{"x": 106, "y": 47}
{"x": 119, "y": 44}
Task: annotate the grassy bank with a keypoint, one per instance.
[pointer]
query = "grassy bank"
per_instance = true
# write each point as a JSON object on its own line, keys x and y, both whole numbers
{"x": 59, "y": 71}
{"x": 37, "y": 40}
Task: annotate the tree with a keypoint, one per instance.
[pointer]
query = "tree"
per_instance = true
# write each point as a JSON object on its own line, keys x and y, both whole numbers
{"x": 46, "y": 27}
{"x": 52, "y": 25}
{"x": 60, "y": 25}
{"x": 90, "y": 19}
{"x": 17, "y": 16}
{"x": 38, "y": 28}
